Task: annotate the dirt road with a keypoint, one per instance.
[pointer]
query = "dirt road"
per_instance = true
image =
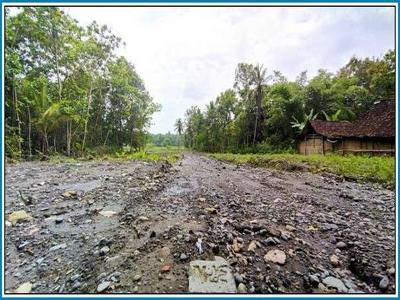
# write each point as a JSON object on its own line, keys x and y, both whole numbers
{"x": 124, "y": 227}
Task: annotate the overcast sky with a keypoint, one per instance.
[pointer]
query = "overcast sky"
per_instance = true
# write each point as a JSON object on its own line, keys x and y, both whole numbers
{"x": 187, "y": 56}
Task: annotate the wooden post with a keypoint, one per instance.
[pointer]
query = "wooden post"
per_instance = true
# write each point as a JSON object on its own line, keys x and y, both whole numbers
{"x": 305, "y": 147}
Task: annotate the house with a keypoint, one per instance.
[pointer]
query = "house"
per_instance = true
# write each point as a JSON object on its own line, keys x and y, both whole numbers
{"x": 374, "y": 133}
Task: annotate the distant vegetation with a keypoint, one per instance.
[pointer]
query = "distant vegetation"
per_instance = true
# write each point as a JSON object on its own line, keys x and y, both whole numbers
{"x": 164, "y": 140}
{"x": 264, "y": 111}
{"x": 66, "y": 90}
{"x": 360, "y": 168}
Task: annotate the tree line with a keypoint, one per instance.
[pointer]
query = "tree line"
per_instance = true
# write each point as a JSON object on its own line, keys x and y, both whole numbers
{"x": 265, "y": 111}
{"x": 66, "y": 90}
{"x": 164, "y": 139}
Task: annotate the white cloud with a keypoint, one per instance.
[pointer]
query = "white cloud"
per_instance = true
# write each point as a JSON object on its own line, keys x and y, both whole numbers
{"x": 187, "y": 56}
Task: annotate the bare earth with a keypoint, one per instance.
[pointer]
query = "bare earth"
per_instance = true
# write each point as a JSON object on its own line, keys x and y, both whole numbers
{"x": 155, "y": 214}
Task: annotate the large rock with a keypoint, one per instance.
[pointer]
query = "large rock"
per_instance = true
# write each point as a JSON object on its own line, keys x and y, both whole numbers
{"x": 24, "y": 288}
{"x": 275, "y": 256}
{"x": 333, "y": 282}
{"x": 19, "y": 216}
{"x": 211, "y": 276}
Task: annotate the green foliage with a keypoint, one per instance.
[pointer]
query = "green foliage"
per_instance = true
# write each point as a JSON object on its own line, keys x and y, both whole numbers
{"x": 66, "y": 90}
{"x": 164, "y": 140}
{"x": 378, "y": 169}
{"x": 300, "y": 125}
{"x": 266, "y": 112}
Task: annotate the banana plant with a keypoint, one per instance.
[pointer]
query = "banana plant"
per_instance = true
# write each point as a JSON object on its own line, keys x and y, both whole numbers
{"x": 306, "y": 118}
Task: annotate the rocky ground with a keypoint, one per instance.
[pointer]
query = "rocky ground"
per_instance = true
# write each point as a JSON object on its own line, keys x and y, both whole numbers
{"x": 134, "y": 227}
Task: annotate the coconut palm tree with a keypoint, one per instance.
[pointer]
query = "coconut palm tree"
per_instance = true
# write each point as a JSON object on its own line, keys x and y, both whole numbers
{"x": 179, "y": 128}
{"x": 260, "y": 80}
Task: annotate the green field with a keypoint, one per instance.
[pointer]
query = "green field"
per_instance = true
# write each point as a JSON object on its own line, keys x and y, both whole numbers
{"x": 360, "y": 168}
{"x": 150, "y": 153}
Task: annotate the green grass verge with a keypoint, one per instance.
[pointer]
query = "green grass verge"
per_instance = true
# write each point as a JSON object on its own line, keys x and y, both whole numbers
{"x": 170, "y": 154}
{"x": 360, "y": 168}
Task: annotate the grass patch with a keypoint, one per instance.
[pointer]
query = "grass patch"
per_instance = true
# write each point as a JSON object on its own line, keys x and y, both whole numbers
{"x": 170, "y": 154}
{"x": 378, "y": 169}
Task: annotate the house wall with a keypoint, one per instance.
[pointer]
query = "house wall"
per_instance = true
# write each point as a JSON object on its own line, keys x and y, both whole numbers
{"x": 366, "y": 146}
{"x": 315, "y": 144}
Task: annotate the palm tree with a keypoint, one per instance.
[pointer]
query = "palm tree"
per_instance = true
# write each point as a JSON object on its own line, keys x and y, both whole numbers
{"x": 179, "y": 128}
{"x": 260, "y": 79}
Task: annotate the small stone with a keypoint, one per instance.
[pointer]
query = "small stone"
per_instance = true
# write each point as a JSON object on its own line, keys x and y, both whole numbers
{"x": 341, "y": 245}
{"x": 384, "y": 283}
{"x": 237, "y": 247}
{"x": 322, "y": 288}
{"x": 275, "y": 256}
{"x": 238, "y": 278}
{"x": 252, "y": 246}
{"x": 69, "y": 194}
{"x": 40, "y": 260}
{"x": 166, "y": 268}
{"x": 271, "y": 241}
{"x": 107, "y": 213}
{"x": 103, "y": 286}
{"x": 314, "y": 279}
{"x": 241, "y": 289}
{"x": 24, "y": 288}
{"x": 211, "y": 210}
{"x": 143, "y": 219}
{"x": 104, "y": 250}
{"x": 164, "y": 252}
{"x": 76, "y": 285}
{"x": 183, "y": 257}
{"x": 152, "y": 234}
{"x": 59, "y": 220}
{"x": 59, "y": 246}
{"x": 290, "y": 228}
{"x": 334, "y": 260}
{"x": 75, "y": 277}
{"x": 391, "y": 271}
{"x": 137, "y": 277}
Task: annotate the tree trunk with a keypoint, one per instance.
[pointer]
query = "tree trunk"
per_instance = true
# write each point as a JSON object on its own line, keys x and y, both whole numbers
{"x": 88, "y": 116}
{"x": 29, "y": 133}
{"x": 46, "y": 142}
{"x": 105, "y": 141}
{"x": 69, "y": 137}
{"x": 258, "y": 112}
{"x": 255, "y": 128}
{"x": 17, "y": 119}
{"x": 58, "y": 75}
